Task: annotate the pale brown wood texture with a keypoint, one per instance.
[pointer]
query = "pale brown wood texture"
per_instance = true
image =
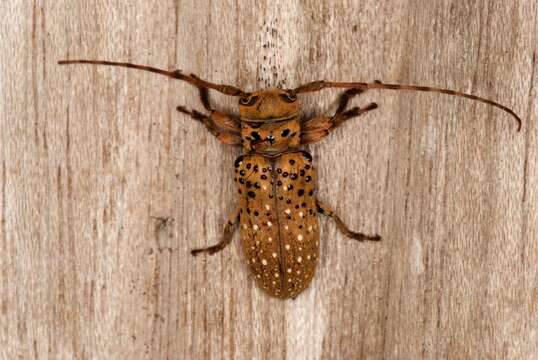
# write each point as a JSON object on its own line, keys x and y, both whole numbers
{"x": 92, "y": 157}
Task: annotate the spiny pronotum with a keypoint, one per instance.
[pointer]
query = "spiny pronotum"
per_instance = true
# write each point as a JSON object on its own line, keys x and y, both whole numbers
{"x": 278, "y": 207}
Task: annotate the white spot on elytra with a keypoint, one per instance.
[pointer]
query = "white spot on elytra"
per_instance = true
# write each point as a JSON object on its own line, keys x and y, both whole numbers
{"x": 289, "y": 270}
{"x": 255, "y": 227}
{"x": 300, "y": 237}
{"x": 264, "y": 187}
{"x": 308, "y": 257}
{"x": 269, "y": 224}
{"x": 299, "y": 259}
{"x": 286, "y": 227}
{"x": 287, "y": 211}
{"x": 310, "y": 228}
{"x": 276, "y": 275}
{"x": 267, "y": 207}
{"x": 253, "y": 260}
{"x": 245, "y": 226}
{"x": 301, "y": 214}
{"x": 287, "y": 246}
{"x": 275, "y": 255}
{"x": 264, "y": 262}
{"x": 270, "y": 239}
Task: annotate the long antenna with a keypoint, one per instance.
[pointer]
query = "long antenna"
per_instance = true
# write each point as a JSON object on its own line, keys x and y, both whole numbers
{"x": 176, "y": 74}
{"x": 319, "y": 85}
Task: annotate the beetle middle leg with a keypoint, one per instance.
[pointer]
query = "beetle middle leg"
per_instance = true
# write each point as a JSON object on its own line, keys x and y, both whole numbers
{"x": 226, "y": 237}
{"x": 326, "y": 210}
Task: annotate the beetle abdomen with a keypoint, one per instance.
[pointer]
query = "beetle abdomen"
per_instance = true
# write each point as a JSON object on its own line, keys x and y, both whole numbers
{"x": 279, "y": 228}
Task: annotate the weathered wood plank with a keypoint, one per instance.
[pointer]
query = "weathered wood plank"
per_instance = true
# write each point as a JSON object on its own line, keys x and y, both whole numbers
{"x": 93, "y": 161}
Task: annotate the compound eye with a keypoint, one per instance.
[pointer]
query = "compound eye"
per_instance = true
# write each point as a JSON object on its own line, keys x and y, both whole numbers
{"x": 248, "y": 100}
{"x": 288, "y": 97}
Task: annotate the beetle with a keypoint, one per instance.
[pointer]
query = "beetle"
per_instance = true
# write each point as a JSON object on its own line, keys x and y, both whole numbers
{"x": 276, "y": 179}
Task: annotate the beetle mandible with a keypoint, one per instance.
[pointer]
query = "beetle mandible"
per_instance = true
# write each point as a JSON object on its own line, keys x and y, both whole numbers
{"x": 275, "y": 179}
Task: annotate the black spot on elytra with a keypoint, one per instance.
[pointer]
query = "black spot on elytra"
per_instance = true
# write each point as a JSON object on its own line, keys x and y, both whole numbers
{"x": 281, "y": 198}
{"x": 264, "y": 169}
{"x": 293, "y": 176}
{"x": 279, "y": 171}
{"x": 308, "y": 178}
{"x": 300, "y": 192}
{"x": 249, "y": 165}
{"x": 279, "y": 183}
{"x": 256, "y": 213}
{"x": 252, "y": 194}
{"x": 238, "y": 160}
{"x": 285, "y": 132}
{"x": 285, "y": 174}
{"x": 257, "y": 185}
{"x": 292, "y": 161}
{"x": 296, "y": 206}
{"x": 249, "y": 184}
{"x": 255, "y": 136}
{"x": 301, "y": 172}
{"x": 242, "y": 181}
{"x": 288, "y": 201}
{"x": 311, "y": 192}
{"x": 307, "y": 166}
{"x": 242, "y": 173}
{"x": 290, "y": 187}
{"x": 239, "y": 191}
{"x": 303, "y": 204}
{"x": 264, "y": 177}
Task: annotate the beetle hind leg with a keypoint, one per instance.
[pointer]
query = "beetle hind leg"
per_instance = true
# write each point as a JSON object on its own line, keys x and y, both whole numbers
{"x": 326, "y": 210}
{"x": 226, "y": 238}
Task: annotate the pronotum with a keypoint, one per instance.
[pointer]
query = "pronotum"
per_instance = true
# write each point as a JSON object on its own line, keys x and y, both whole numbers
{"x": 278, "y": 207}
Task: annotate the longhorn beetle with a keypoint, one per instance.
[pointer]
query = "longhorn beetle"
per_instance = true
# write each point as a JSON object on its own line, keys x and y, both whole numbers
{"x": 278, "y": 207}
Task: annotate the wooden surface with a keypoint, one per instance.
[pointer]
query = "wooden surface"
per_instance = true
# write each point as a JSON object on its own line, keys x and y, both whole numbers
{"x": 91, "y": 158}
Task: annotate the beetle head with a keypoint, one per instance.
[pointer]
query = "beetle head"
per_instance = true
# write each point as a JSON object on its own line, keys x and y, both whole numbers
{"x": 270, "y": 120}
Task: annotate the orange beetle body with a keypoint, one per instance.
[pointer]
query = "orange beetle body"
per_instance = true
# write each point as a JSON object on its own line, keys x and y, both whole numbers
{"x": 278, "y": 220}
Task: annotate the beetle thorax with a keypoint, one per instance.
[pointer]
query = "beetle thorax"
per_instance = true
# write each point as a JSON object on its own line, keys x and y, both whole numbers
{"x": 270, "y": 121}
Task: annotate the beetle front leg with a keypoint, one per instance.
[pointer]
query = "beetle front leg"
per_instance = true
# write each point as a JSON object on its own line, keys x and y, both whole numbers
{"x": 326, "y": 210}
{"x": 226, "y": 238}
{"x": 223, "y": 127}
{"x": 317, "y": 128}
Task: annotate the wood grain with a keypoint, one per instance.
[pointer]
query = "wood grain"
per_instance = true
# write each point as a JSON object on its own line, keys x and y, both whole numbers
{"x": 105, "y": 187}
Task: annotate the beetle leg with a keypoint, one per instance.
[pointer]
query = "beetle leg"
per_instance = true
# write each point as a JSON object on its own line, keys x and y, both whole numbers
{"x": 226, "y": 237}
{"x": 326, "y": 210}
{"x": 317, "y": 128}
{"x": 218, "y": 124}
